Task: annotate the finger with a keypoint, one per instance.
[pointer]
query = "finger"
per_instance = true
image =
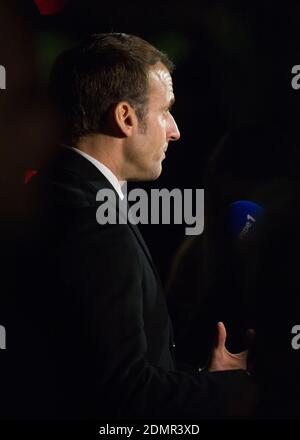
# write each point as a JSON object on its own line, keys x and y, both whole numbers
{"x": 240, "y": 355}
{"x": 221, "y": 335}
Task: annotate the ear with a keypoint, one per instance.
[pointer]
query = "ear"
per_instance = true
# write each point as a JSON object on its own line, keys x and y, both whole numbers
{"x": 125, "y": 118}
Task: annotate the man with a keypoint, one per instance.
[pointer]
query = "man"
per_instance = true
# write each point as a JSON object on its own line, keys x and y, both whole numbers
{"x": 97, "y": 301}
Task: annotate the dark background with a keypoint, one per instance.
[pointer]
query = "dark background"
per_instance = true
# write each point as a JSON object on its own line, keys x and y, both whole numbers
{"x": 233, "y": 66}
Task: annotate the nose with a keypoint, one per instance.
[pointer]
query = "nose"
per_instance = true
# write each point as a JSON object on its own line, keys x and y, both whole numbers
{"x": 173, "y": 133}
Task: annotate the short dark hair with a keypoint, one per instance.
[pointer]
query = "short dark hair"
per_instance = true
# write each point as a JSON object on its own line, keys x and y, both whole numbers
{"x": 105, "y": 69}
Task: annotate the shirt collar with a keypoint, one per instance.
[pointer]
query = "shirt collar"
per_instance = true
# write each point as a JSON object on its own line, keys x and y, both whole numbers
{"x": 105, "y": 171}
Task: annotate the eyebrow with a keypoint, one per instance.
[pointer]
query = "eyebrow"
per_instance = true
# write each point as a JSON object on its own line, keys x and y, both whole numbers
{"x": 172, "y": 102}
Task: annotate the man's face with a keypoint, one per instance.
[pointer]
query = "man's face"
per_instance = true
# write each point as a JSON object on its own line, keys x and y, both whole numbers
{"x": 149, "y": 145}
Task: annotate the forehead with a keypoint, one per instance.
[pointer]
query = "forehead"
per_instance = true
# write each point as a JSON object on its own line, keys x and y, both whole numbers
{"x": 160, "y": 82}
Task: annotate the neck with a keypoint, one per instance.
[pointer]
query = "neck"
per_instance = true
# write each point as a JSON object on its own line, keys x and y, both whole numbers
{"x": 105, "y": 149}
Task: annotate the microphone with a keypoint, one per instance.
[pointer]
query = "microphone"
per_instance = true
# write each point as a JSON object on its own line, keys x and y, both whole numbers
{"x": 242, "y": 217}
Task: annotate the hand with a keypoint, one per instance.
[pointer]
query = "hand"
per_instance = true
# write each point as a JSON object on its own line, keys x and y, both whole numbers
{"x": 221, "y": 359}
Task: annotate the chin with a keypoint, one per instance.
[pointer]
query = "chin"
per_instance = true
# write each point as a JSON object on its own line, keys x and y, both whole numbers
{"x": 147, "y": 174}
{"x": 155, "y": 173}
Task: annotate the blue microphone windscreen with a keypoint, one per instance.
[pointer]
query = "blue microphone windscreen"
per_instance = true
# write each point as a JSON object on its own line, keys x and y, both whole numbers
{"x": 242, "y": 217}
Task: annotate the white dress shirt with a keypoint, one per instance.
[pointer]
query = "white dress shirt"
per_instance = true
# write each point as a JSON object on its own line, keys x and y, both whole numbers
{"x": 105, "y": 171}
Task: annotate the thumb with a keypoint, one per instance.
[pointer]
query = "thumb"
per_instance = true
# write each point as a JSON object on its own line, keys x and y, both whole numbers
{"x": 221, "y": 335}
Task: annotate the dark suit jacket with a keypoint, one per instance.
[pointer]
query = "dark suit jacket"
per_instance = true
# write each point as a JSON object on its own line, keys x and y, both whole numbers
{"x": 101, "y": 333}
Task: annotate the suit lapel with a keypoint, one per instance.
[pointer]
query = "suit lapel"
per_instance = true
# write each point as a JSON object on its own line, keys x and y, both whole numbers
{"x": 143, "y": 245}
{"x": 95, "y": 181}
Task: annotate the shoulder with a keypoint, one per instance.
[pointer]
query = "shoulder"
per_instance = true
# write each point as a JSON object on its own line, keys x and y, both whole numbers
{"x": 60, "y": 188}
